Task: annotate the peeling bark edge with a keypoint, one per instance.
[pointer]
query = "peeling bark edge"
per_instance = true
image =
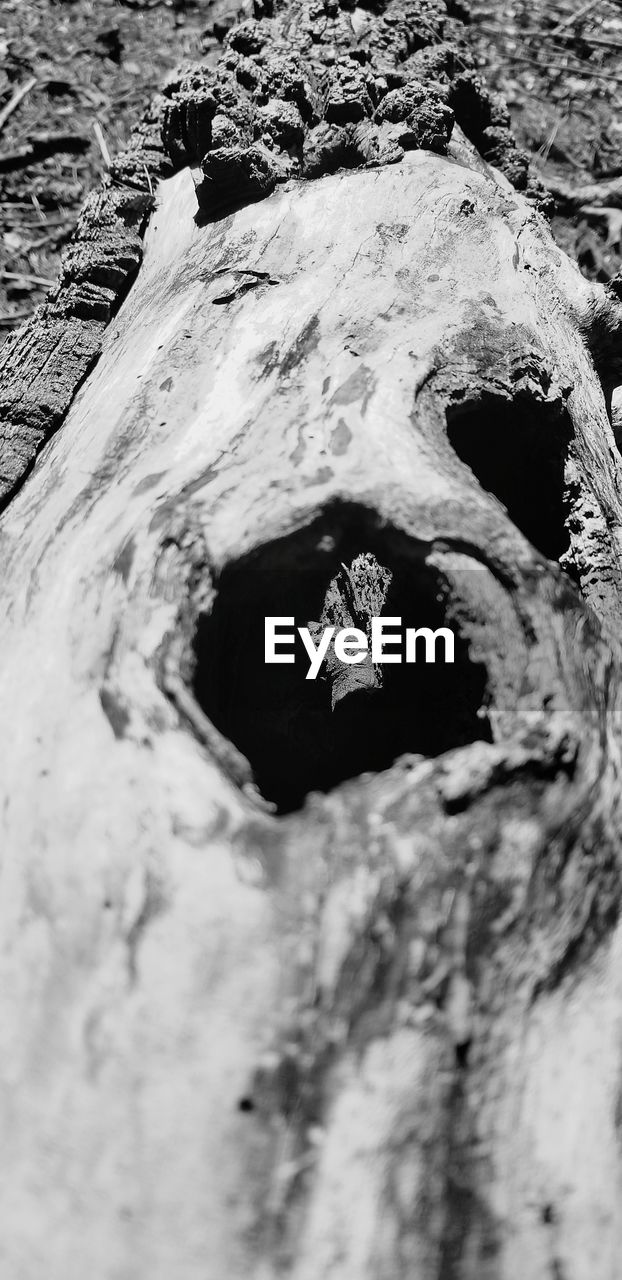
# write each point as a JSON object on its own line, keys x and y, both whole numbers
{"x": 45, "y": 362}
{"x": 43, "y": 365}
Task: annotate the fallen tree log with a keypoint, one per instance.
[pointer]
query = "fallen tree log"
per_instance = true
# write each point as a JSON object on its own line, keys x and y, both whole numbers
{"x": 294, "y": 983}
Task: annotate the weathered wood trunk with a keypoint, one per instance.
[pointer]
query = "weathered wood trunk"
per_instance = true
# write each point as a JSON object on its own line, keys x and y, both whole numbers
{"x": 287, "y": 990}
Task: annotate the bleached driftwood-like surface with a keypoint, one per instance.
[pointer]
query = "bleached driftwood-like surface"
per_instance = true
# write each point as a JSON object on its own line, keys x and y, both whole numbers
{"x": 169, "y": 948}
{"x": 376, "y": 1036}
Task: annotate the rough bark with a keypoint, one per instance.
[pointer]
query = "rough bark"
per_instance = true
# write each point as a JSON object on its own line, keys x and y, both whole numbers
{"x": 267, "y": 1009}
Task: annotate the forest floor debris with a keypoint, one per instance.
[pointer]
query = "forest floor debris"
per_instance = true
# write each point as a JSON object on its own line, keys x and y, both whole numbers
{"x": 75, "y": 76}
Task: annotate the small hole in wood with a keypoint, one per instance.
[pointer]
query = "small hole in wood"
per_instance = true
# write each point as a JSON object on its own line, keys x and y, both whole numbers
{"x": 517, "y": 449}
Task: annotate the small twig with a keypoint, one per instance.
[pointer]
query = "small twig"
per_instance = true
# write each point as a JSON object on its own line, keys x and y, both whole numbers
{"x": 568, "y": 69}
{"x": 602, "y": 41}
{"x": 541, "y": 33}
{"x": 52, "y": 220}
{"x": 101, "y": 142}
{"x": 37, "y": 207}
{"x": 15, "y": 100}
{"x": 543, "y": 153}
{"x": 574, "y": 17}
{"x": 7, "y": 322}
{"x": 591, "y": 193}
{"x": 25, "y": 275}
{"x": 54, "y": 238}
{"x": 613, "y": 219}
{"x": 42, "y": 147}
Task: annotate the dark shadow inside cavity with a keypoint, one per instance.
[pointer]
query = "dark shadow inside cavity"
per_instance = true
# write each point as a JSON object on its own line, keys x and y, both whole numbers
{"x": 283, "y": 723}
{"x": 518, "y": 452}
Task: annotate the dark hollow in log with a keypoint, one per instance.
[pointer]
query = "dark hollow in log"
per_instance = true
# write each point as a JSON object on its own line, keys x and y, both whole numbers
{"x": 518, "y": 450}
{"x": 297, "y": 737}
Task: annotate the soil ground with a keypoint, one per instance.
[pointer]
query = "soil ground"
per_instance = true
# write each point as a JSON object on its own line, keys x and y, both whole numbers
{"x": 96, "y": 63}
{"x": 559, "y": 67}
